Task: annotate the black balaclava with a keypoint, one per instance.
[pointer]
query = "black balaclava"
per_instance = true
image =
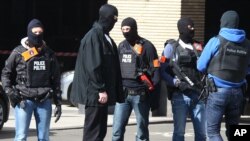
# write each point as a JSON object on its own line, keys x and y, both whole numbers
{"x": 35, "y": 40}
{"x": 107, "y": 17}
{"x": 132, "y": 35}
{"x": 229, "y": 19}
{"x": 186, "y": 29}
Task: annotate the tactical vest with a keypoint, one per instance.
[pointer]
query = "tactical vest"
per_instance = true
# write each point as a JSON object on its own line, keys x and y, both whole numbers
{"x": 128, "y": 61}
{"x": 231, "y": 62}
{"x": 37, "y": 73}
{"x": 186, "y": 59}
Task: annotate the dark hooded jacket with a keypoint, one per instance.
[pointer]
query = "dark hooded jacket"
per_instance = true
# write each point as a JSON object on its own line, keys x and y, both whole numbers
{"x": 230, "y": 32}
{"x": 15, "y": 72}
{"x": 97, "y": 70}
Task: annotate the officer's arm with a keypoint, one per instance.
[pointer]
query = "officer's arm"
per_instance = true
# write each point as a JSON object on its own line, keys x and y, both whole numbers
{"x": 56, "y": 82}
{"x": 152, "y": 58}
{"x": 167, "y": 54}
{"x": 8, "y": 71}
{"x": 208, "y": 52}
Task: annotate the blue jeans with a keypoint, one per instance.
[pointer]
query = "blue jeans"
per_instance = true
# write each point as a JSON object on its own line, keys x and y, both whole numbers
{"x": 182, "y": 105}
{"x": 42, "y": 112}
{"x": 226, "y": 101}
{"x": 121, "y": 117}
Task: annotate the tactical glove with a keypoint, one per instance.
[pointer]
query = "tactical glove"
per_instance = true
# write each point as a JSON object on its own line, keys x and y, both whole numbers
{"x": 182, "y": 86}
{"x": 14, "y": 97}
{"x": 57, "y": 98}
{"x": 58, "y": 102}
{"x": 57, "y": 112}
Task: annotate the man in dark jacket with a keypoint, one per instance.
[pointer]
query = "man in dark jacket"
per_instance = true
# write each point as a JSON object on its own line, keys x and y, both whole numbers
{"x": 30, "y": 78}
{"x": 139, "y": 61}
{"x": 225, "y": 58}
{"x": 97, "y": 80}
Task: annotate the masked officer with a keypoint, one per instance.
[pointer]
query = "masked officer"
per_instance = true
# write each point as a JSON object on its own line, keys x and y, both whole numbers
{"x": 178, "y": 69}
{"x": 31, "y": 78}
{"x": 138, "y": 60}
{"x": 225, "y": 58}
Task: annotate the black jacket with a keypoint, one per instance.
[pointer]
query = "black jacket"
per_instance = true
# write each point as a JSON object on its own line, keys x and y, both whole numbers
{"x": 97, "y": 69}
{"x": 16, "y": 67}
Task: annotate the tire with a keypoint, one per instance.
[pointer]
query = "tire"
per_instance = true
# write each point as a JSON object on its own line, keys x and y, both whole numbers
{"x": 3, "y": 113}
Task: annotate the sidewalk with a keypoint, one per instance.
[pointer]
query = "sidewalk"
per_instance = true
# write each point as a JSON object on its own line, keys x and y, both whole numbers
{"x": 73, "y": 118}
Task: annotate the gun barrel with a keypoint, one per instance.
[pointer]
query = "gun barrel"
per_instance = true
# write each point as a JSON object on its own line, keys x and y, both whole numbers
{"x": 189, "y": 81}
{"x": 180, "y": 74}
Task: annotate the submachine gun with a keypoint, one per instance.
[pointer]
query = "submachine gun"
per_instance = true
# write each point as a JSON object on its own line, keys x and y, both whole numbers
{"x": 182, "y": 76}
{"x": 178, "y": 72}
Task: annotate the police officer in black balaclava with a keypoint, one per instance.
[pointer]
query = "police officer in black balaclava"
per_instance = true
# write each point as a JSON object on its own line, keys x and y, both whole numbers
{"x": 139, "y": 62}
{"x": 132, "y": 35}
{"x": 31, "y": 79}
{"x": 186, "y": 29}
{"x": 34, "y": 39}
{"x": 179, "y": 58}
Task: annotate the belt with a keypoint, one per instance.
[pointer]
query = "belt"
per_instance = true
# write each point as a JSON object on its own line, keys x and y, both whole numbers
{"x": 136, "y": 92}
{"x": 40, "y": 98}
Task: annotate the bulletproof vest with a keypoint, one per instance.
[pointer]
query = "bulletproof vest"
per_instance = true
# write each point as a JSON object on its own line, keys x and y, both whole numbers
{"x": 128, "y": 61}
{"x": 231, "y": 62}
{"x": 186, "y": 59}
{"x": 38, "y": 72}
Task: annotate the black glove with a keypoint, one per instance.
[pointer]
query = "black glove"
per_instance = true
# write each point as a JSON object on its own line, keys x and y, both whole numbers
{"x": 183, "y": 86}
{"x": 14, "y": 97}
{"x": 57, "y": 97}
{"x": 58, "y": 112}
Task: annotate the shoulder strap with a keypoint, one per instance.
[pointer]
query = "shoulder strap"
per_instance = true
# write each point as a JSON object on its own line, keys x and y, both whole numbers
{"x": 174, "y": 44}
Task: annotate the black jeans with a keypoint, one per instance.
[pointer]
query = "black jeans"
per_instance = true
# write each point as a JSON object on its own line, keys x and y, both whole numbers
{"x": 95, "y": 123}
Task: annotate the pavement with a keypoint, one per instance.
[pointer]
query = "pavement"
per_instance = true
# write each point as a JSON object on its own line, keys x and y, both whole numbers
{"x": 73, "y": 117}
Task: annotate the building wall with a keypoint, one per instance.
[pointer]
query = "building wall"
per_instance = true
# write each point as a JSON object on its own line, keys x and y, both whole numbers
{"x": 157, "y": 19}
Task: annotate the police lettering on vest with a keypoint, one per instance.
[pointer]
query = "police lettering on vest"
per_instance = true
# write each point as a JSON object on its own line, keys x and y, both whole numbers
{"x": 39, "y": 65}
{"x": 126, "y": 58}
{"x": 38, "y": 72}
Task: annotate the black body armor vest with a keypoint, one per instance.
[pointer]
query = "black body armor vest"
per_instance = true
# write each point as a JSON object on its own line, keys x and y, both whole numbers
{"x": 128, "y": 61}
{"x": 38, "y": 72}
{"x": 231, "y": 62}
{"x": 186, "y": 59}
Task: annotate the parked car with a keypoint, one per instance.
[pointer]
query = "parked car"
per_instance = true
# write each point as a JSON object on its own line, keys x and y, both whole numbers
{"x": 66, "y": 84}
{"x": 4, "y": 108}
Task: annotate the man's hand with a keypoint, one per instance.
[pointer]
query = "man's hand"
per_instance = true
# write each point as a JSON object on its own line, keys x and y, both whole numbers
{"x": 183, "y": 86}
{"x": 14, "y": 97}
{"x": 58, "y": 112}
{"x": 103, "y": 97}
